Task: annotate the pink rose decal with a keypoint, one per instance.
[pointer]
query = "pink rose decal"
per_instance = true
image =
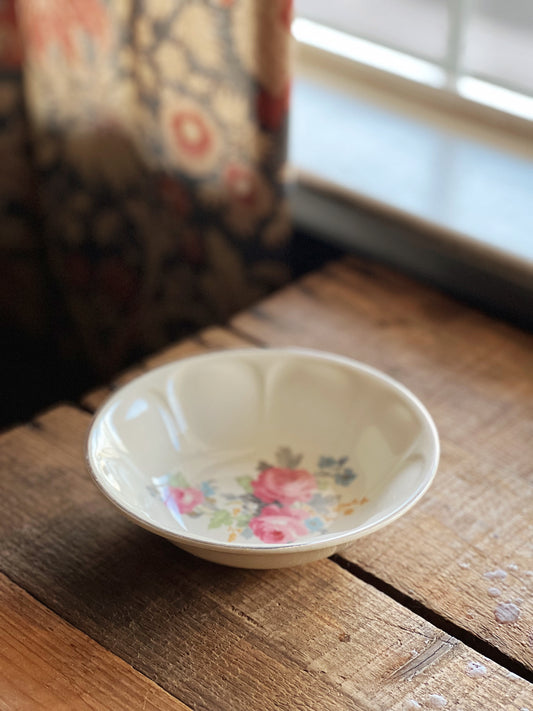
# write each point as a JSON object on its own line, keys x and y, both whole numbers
{"x": 285, "y": 486}
{"x": 282, "y": 504}
{"x": 186, "y": 499}
{"x": 279, "y": 524}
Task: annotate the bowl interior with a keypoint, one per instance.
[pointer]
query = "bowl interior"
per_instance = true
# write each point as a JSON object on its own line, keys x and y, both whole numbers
{"x": 259, "y": 448}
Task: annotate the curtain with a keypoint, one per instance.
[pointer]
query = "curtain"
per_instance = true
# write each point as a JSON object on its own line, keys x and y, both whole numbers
{"x": 142, "y": 152}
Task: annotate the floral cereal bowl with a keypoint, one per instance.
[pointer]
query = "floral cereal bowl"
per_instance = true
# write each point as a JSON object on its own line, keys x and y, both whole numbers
{"x": 263, "y": 458}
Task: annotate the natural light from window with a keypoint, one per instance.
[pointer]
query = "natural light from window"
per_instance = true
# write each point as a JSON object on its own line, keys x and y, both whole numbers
{"x": 480, "y": 49}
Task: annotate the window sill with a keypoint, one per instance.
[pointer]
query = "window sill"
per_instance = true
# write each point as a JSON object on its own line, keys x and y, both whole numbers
{"x": 406, "y": 183}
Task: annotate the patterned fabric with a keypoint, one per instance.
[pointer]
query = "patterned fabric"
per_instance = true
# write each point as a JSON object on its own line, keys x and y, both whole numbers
{"x": 141, "y": 183}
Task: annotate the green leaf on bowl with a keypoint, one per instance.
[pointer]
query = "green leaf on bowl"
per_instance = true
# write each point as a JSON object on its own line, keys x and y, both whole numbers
{"x": 246, "y": 483}
{"x": 220, "y": 518}
{"x": 178, "y": 481}
{"x": 243, "y": 520}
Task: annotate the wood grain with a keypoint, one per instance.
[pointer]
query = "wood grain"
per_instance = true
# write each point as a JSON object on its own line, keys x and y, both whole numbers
{"x": 314, "y": 637}
{"x": 45, "y": 663}
{"x": 475, "y": 375}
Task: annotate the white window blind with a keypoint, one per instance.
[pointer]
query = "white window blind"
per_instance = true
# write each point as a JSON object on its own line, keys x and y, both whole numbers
{"x": 482, "y": 49}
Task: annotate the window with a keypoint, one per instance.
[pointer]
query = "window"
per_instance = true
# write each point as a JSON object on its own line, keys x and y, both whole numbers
{"x": 410, "y": 136}
{"x": 479, "y": 49}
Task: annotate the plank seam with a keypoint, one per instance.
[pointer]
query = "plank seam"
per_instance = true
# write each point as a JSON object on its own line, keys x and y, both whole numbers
{"x": 252, "y": 340}
{"x": 469, "y": 639}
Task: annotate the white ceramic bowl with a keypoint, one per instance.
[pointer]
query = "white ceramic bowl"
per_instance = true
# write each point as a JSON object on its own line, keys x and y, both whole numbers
{"x": 263, "y": 458}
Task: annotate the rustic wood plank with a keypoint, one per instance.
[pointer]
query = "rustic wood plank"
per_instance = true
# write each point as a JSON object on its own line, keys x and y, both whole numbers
{"x": 314, "y": 637}
{"x": 223, "y": 339}
{"x": 45, "y": 663}
{"x": 471, "y": 536}
{"x": 211, "y": 338}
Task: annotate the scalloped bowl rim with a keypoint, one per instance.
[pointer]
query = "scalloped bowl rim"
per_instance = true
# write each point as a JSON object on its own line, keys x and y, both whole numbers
{"x": 325, "y": 540}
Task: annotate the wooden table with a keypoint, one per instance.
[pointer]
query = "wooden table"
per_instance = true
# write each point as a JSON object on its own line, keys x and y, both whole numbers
{"x": 434, "y": 611}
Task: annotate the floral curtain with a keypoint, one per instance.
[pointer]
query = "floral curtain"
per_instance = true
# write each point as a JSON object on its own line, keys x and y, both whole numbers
{"x": 142, "y": 147}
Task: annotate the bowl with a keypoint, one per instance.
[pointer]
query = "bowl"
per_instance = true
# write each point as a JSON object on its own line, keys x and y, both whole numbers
{"x": 263, "y": 458}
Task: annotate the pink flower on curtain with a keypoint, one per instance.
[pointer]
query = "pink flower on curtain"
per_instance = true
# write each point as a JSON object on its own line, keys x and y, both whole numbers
{"x": 58, "y": 23}
{"x": 10, "y": 44}
{"x": 191, "y": 133}
{"x": 194, "y": 142}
